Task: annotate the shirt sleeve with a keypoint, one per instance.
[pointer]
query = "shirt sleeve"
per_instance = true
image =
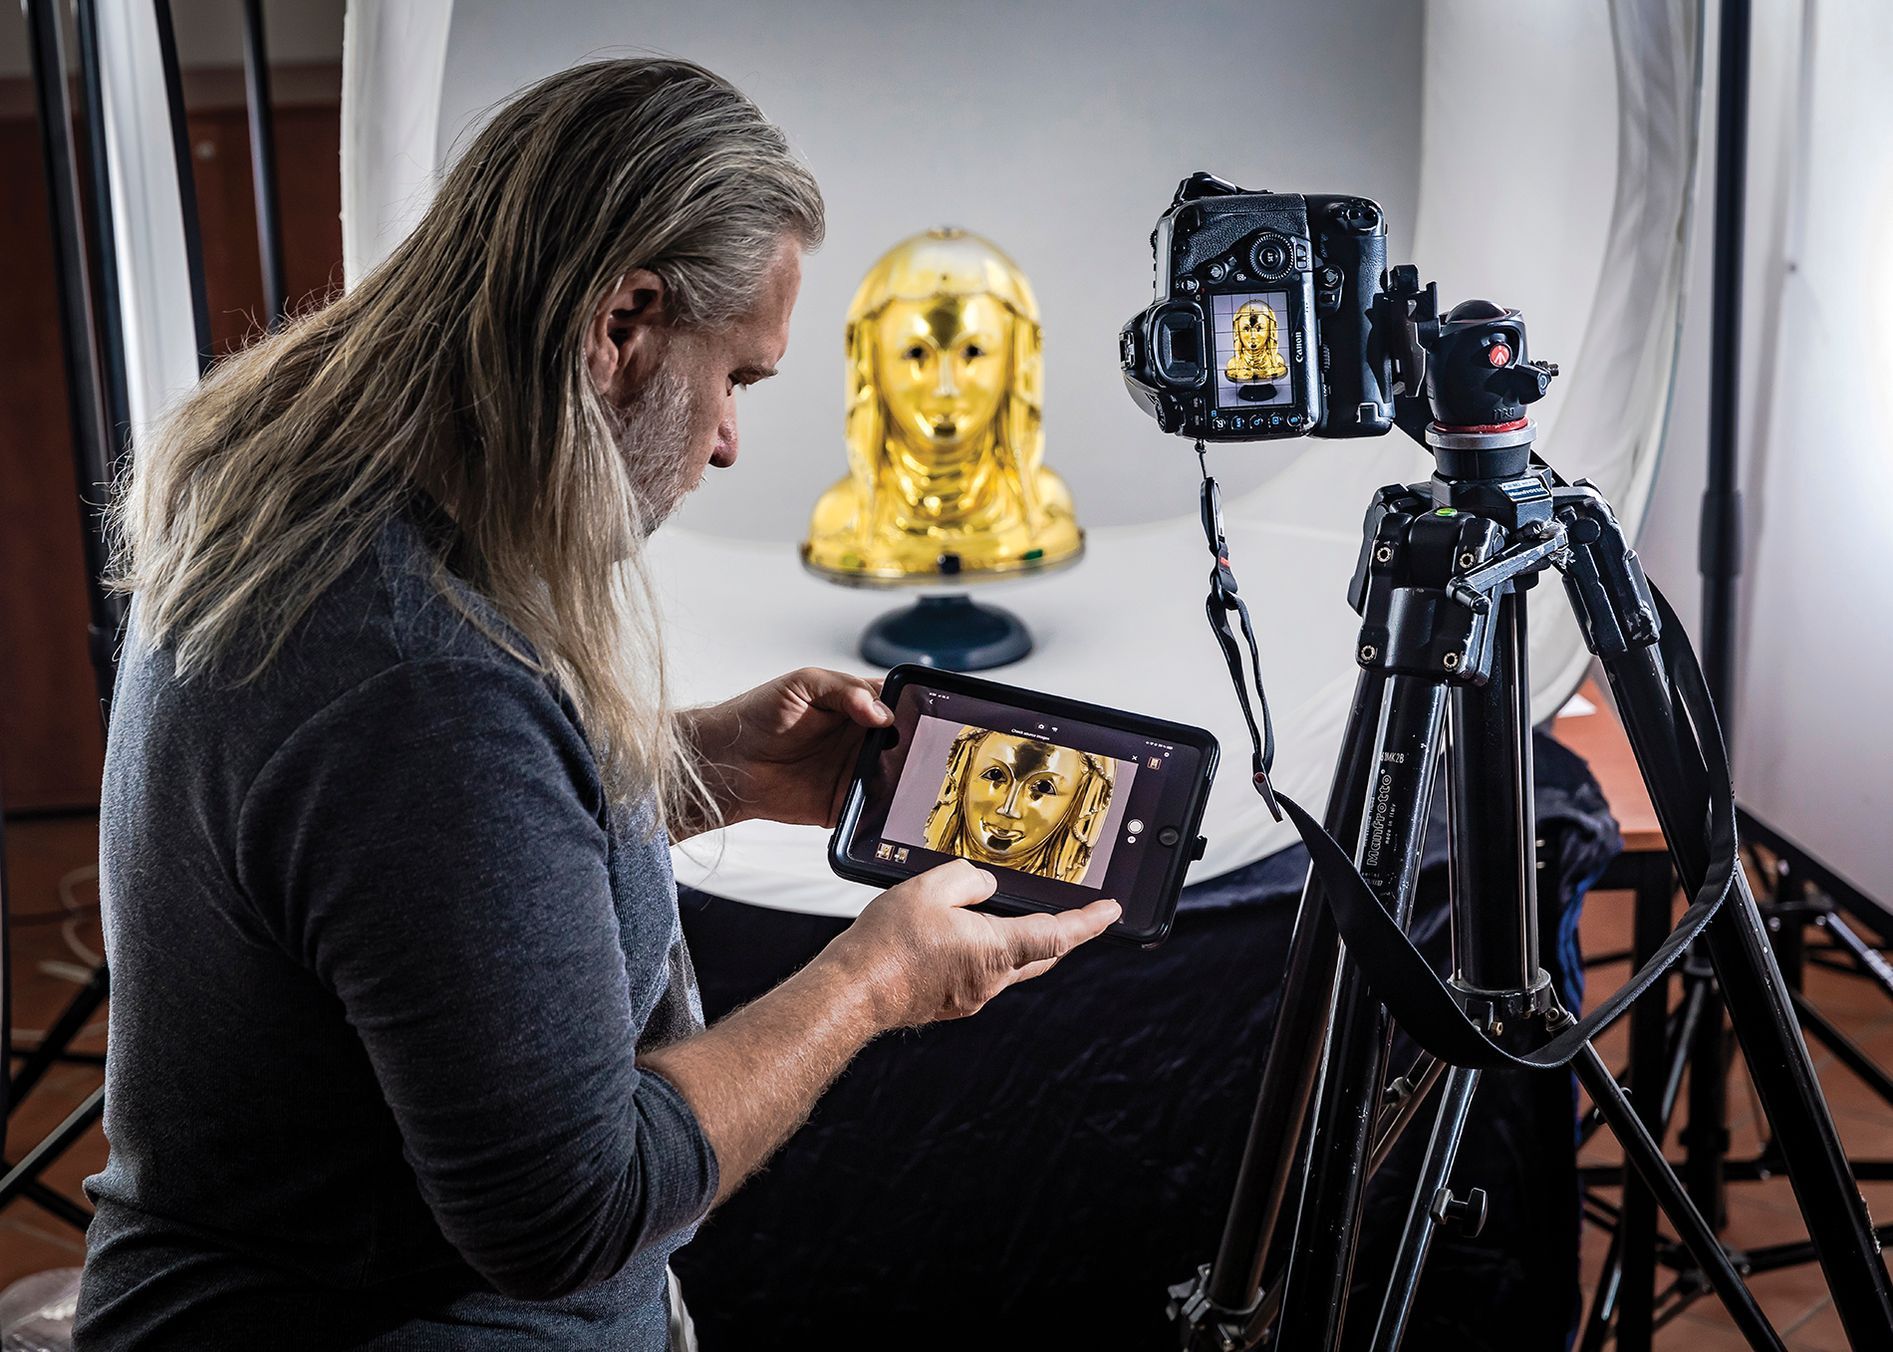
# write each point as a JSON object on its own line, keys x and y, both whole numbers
{"x": 430, "y": 847}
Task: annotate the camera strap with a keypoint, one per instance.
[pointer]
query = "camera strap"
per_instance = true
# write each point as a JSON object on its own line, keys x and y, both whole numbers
{"x": 1223, "y": 602}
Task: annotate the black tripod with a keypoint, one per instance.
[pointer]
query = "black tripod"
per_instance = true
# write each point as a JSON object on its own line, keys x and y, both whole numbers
{"x": 1442, "y": 584}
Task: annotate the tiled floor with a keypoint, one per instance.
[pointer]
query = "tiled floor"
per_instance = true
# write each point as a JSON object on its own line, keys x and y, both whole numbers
{"x": 40, "y": 853}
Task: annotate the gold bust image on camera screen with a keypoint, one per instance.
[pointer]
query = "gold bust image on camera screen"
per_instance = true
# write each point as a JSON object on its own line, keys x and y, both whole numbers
{"x": 944, "y": 410}
{"x": 1021, "y": 803}
{"x": 1258, "y": 354}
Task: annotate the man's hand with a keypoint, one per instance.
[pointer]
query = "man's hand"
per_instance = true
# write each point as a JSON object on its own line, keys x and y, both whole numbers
{"x": 916, "y": 954}
{"x": 924, "y": 956}
{"x": 784, "y": 751}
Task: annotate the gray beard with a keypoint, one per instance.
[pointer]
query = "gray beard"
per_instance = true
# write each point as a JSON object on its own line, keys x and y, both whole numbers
{"x": 650, "y": 433}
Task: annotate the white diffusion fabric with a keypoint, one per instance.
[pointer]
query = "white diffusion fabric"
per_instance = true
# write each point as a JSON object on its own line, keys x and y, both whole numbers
{"x": 154, "y": 280}
{"x": 1812, "y": 747}
{"x": 394, "y": 55}
{"x": 1571, "y": 206}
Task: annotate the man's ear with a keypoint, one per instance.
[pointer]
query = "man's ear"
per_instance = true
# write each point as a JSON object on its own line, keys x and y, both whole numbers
{"x": 621, "y": 340}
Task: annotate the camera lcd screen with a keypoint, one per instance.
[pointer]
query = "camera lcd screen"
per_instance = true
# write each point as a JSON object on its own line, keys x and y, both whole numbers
{"x": 1063, "y": 808}
{"x": 1250, "y": 330}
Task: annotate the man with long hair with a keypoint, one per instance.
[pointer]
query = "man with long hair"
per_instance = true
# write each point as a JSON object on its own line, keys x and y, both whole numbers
{"x": 405, "y": 1048}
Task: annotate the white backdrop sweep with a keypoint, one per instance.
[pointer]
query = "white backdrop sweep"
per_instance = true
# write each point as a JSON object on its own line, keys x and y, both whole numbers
{"x": 1062, "y": 142}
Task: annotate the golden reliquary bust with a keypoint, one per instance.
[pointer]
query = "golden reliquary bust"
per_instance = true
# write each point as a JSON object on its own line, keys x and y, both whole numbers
{"x": 1029, "y": 805}
{"x": 1258, "y": 354}
{"x": 943, "y": 424}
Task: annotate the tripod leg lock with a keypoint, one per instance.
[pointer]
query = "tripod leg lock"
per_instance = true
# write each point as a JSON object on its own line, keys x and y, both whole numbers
{"x": 1205, "y": 1325}
{"x": 1603, "y": 575}
{"x": 1492, "y": 1010}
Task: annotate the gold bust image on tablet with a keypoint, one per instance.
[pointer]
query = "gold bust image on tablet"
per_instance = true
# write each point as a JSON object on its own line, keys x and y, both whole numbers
{"x": 1021, "y": 804}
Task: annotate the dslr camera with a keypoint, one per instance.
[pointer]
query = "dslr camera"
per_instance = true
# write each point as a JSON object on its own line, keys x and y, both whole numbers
{"x": 1264, "y": 323}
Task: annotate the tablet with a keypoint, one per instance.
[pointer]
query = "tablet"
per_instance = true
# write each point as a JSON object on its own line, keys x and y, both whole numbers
{"x": 1062, "y": 802}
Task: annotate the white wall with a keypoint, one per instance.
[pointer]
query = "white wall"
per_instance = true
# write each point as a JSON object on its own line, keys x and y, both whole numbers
{"x": 1059, "y": 131}
{"x": 1811, "y": 742}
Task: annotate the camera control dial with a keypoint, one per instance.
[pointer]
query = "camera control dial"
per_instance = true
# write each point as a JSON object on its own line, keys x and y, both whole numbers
{"x": 1273, "y": 257}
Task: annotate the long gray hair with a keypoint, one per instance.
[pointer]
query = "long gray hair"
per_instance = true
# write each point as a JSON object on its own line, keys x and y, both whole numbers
{"x": 457, "y": 368}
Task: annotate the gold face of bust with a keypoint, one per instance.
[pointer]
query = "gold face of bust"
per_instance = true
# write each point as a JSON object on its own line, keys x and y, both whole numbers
{"x": 1018, "y": 791}
{"x": 1258, "y": 354}
{"x": 944, "y": 427}
{"x": 1255, "y": 327}
{"x": 943, "y": 367}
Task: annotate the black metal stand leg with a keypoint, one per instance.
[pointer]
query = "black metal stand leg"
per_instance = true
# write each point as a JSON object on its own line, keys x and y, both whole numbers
{"x": 1322, "y": 1263}
{"x": 1417, "y": 1238}
{"x": 1844, "y": 1048}
{"x": 74, "y": 1017}
{"x": 1603, "y": 1322}
{"x": 1705, "y": 1139}
{"x": 1764, "y": 1019}
{"x": 55, "y": 1204}
{"x": 36, "y": 1160}
{"x": 1288, "y": 1074}
{"x": 1874, "y": 967}
{"x": 1635, "y": 1242}
{"x": 1643, "y": 1155}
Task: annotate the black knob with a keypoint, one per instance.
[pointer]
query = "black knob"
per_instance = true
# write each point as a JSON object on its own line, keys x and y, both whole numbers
{"x": 1465, "y": 1216}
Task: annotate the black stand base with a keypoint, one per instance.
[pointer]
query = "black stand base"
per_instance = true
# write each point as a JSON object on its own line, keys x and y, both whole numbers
{"x": 952, "y": 632}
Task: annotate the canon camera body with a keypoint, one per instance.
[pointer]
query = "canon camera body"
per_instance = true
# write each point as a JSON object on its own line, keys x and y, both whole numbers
{"x": 1263, "y": 323}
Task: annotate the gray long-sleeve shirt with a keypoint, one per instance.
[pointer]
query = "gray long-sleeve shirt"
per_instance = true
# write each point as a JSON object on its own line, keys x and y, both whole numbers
{"x": 381, "y": 952}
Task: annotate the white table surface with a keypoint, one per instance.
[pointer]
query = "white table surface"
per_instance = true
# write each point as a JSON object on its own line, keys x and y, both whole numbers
{"x": 1123, "y": 628}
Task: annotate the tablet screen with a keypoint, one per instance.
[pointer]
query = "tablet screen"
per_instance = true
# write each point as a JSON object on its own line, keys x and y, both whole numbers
{"x": 1063, "y": 810}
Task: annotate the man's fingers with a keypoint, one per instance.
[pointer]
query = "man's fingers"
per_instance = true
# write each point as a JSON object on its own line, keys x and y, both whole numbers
{"x": 957, "y": 883}
{"x": 1032, "y": 969}
{"x": 868, "y": 709}
{"x": 838, "y": 692}
{"x": 1034, "y": 939}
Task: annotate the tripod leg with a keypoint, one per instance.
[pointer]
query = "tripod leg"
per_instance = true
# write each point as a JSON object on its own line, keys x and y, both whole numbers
{"x": 1288, "y": 1074}
{"x": 1321, "y": 1262}
{"x": 1417, "y": 1238}
{"x": 1644, "y": 1155}
{"x": 1764, "y": 1018}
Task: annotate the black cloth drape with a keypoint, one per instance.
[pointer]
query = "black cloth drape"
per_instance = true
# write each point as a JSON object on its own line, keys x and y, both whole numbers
{"x": 1038, "y": 1175}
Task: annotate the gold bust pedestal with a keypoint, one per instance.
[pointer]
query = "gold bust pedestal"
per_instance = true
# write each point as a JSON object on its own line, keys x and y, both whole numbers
{"x": 946, "y": 482}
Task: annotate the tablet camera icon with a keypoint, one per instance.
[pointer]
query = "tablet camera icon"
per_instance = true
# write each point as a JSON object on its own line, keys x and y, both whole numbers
{"x": 1135, "y": 826}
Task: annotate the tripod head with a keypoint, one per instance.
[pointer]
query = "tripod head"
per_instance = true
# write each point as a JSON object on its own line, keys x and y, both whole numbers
{"x": 1464, "y": 378}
